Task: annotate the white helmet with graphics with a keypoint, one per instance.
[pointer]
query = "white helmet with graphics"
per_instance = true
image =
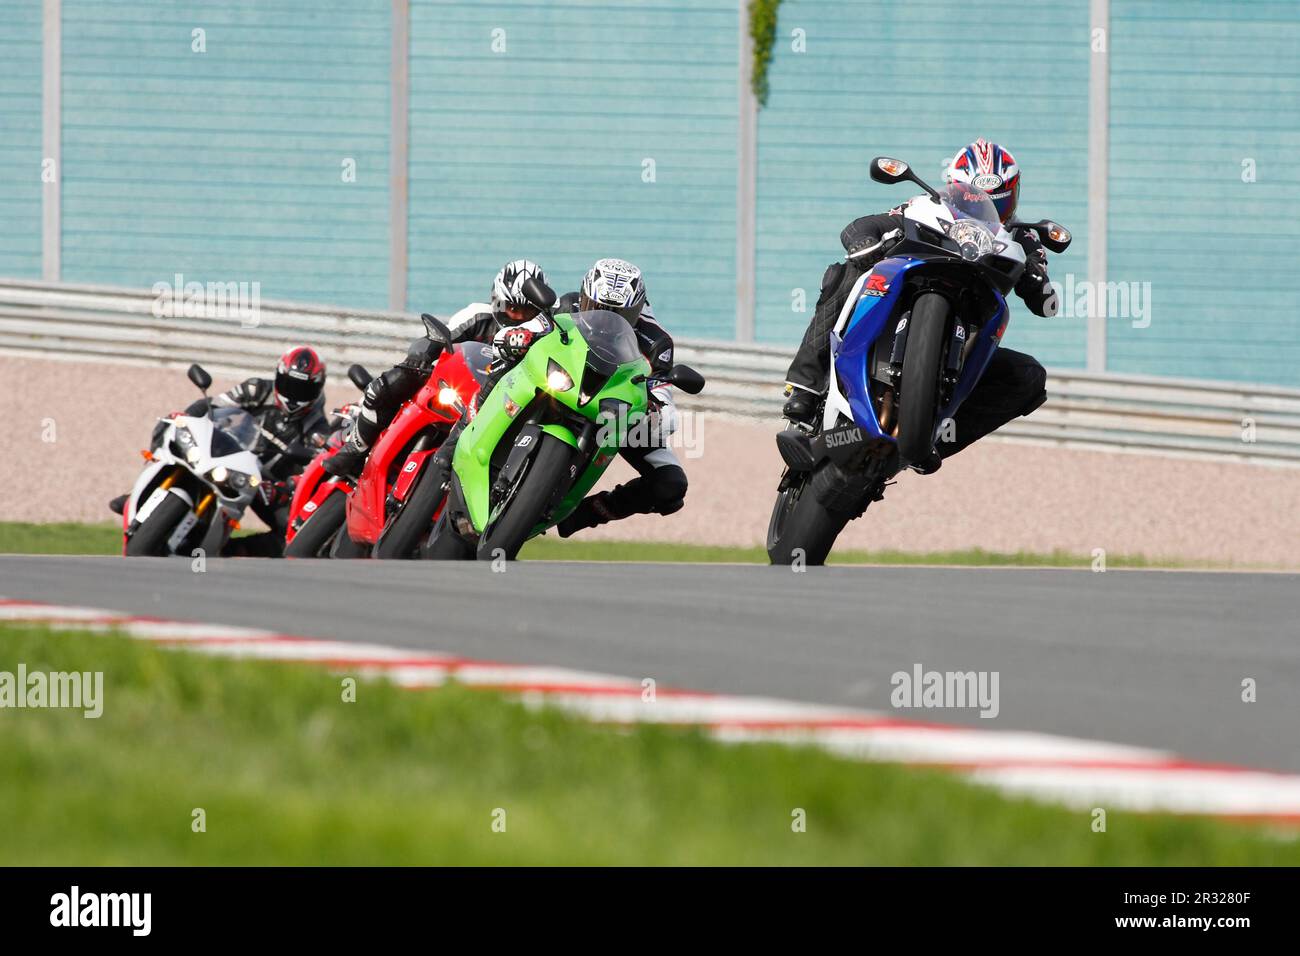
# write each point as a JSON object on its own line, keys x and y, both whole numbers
{"x": 615, "y": 285}
{"x": 509, "y": 304}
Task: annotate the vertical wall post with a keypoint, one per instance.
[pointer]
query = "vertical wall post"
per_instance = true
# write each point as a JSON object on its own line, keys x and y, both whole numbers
{"x": 1098, "y": 175}
{"x": 746, "y": 182}
{"x": 51, "y": 139}
{"x": 398, "y": 149}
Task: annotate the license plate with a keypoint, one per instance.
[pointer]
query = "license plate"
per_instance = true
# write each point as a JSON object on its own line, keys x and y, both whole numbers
{"x": 187, "y": 524}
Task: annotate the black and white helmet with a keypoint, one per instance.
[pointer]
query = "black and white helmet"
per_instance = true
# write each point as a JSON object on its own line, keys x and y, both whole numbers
{"x": 509, "y": 304}
{"x": 615, "y": 285}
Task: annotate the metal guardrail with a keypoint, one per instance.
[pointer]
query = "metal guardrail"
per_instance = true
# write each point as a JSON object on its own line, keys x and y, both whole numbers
{"x": 1246, "y": 422}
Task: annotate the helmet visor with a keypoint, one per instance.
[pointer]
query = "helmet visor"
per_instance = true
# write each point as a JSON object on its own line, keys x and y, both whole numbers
{"x": 297, "y": 391}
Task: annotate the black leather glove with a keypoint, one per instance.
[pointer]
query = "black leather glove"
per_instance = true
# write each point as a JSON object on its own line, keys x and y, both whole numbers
{"x": 420, "y": 356}
{"x": 1034, "y": 286}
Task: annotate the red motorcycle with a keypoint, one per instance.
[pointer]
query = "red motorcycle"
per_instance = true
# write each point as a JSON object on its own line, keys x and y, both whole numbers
{"x": 398, "y": 496}
{"x": 318, "y": 508}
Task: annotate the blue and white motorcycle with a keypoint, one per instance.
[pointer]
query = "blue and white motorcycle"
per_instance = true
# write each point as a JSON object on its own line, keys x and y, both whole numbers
{"x": 914, "y": 338}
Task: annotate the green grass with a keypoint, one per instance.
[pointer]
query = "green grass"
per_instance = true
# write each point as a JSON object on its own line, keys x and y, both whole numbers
{"x": 288, "y": 773}
{"x": 552, "y": 547}
{"x": 67, "y": 538}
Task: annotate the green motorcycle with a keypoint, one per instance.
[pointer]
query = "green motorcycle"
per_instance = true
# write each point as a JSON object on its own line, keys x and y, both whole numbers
{"x": 547, "y": 431}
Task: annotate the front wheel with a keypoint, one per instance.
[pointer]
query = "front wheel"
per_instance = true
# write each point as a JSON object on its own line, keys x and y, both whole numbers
{"x": 151, "y": 537}
{"x": 414, "y": 517}
{"x": 919, "y": 387}
{"x": 314, "y": 538}
{"x": 526, "y": 505}
{"x": 345, "y": 548}
{"x": 801, "y": 526}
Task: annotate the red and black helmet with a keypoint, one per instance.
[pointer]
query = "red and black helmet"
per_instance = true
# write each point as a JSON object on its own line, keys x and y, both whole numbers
{"x": 299, "y": 380}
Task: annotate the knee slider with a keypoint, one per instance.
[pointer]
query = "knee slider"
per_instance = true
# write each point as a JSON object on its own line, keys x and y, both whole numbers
{"x": 669, "y": 488}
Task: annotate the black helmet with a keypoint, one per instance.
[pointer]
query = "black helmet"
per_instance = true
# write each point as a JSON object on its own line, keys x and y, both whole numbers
{"x": 299, "y": 380}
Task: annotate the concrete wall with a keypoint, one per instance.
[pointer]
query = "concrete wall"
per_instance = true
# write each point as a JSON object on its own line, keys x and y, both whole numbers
{"x": 531, "y": 124}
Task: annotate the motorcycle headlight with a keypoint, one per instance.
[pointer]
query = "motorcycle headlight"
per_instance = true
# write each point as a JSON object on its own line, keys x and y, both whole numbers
{"x": 557, "y": 379}
{"x": 185, "y": 446}
{"x": 972, "y": 237}
{"x": 236, "y": 481}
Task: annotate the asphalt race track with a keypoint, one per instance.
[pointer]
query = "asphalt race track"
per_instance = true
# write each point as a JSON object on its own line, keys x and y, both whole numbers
{"x": 1137, "y": 657}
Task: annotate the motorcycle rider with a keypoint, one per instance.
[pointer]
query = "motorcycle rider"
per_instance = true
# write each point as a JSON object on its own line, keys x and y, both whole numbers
{"x": 1014, "y": 383}
{"x": 290, "y": 410}
{"x": 660, "y": 487}
{"x": 386, "y": 393}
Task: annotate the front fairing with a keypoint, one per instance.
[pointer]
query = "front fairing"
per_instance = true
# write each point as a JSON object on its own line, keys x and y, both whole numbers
{"x": 879, "y": 301}
{"x": 243, "y": 461}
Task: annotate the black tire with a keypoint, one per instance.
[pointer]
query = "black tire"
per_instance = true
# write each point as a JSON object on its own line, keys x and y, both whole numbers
{"x": 150, "y": 539}
{"x": 444, "y": 544}
{"x": 314, "y": 538}
{"x": 800, "y": 522}
{"x": 344, "y": 548}
{"x": 546, "y": 471}
{"x": 919, "y": 386}
{"x": 414, "y": 518}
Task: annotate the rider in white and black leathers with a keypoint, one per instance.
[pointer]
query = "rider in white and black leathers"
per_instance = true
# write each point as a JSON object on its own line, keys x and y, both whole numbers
{"x": 386, "y": 393}
{"x": 1013, "y": 384}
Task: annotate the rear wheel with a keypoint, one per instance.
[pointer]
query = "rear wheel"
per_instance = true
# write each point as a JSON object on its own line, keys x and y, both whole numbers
{"x": 414, "y": 517}
{"x": 801, "y": 527}
{"x": 314, "y": 538}
{"x": 919, "y": 386}
{"x": 151, "y": 537}
{"x": 528, "y": 499}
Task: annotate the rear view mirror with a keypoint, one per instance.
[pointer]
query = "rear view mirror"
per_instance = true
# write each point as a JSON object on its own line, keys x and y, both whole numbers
{"x": 1054, "y": 236}
{"x": 539, "y": 293}
{"x": 686, "y": 378}
{"x": 436, "y": 331}
{"x": 888, "y": 171}
{"x": 359, "y": 376}
{"x": 200, "y": 377}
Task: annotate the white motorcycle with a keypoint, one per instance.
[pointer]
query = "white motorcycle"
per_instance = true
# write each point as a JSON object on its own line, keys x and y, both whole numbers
{"x": 202, "y": 475}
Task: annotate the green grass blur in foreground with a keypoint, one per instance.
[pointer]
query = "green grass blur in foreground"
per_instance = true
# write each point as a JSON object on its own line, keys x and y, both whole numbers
{"x": 288, "y": 773}
{"x": 19, "y": 538}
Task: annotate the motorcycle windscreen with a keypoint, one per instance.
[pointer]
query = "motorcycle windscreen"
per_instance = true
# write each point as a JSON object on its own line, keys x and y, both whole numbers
{"x": 234, "y": 430}
{"x": 611, "y": 343}
{"x": 969, "y": 202}
{"x": 477, "y": 356}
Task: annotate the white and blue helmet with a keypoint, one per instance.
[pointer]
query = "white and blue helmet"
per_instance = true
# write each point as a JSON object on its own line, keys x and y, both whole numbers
{"x": 615, "y": 285}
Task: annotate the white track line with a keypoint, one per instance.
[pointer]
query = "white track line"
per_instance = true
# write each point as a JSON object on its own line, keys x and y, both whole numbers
{"x": 1078, "y": 773}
